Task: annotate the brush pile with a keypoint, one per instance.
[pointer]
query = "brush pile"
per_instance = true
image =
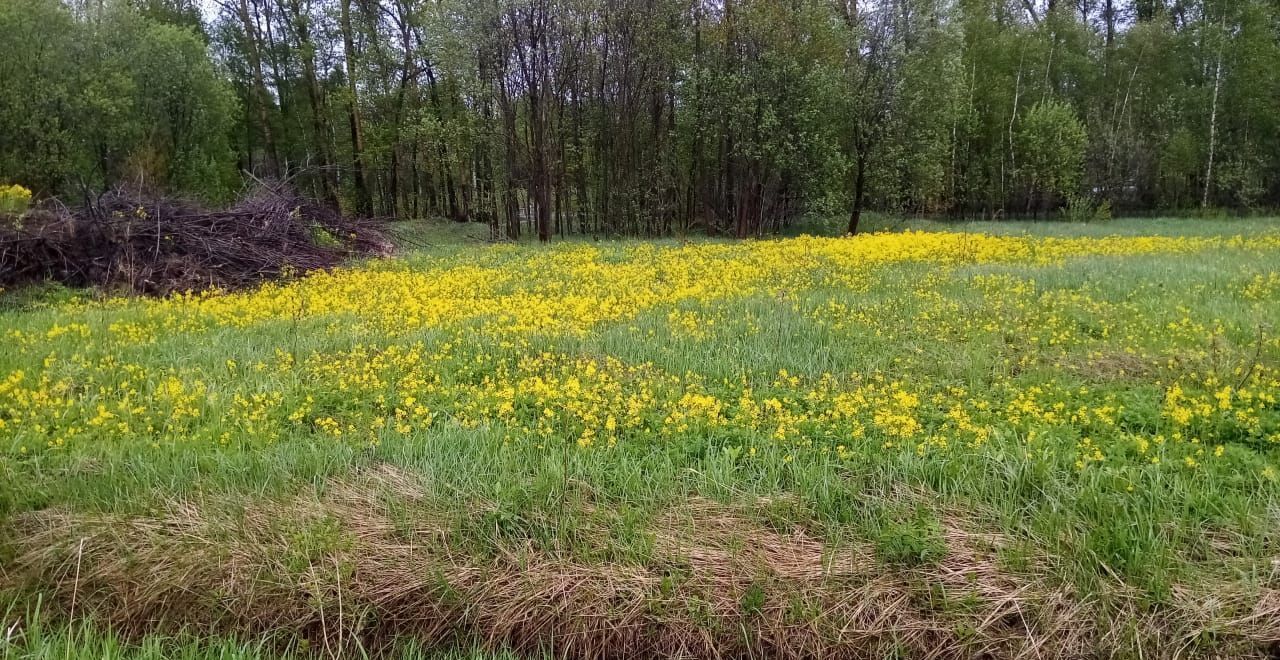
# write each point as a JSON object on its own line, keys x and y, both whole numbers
{"x": 155, "y": 245}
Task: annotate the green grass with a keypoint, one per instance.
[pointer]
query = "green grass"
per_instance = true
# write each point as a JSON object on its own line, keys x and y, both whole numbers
{"x": 1160, "y": 226}
{"x": 30, "y": 637}
{"x": 1142, "y": 548}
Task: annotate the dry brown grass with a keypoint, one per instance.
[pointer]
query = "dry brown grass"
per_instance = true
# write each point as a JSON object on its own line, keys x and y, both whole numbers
{"x": 1115, "y": 365}
{"x": 340, "y": 568}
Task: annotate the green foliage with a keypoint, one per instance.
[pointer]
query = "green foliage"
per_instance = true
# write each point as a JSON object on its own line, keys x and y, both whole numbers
{"x": 753, "y": 600}
{"x": 1051, "y": 144}
{"x": 41, "y": 635}
{"x": 117, "y": 98}
{"x": 183, "y": 110}
{"x": 38, "y": 296}
{"x": 777, "y": 105}
{"x": 911, "y": 538}
{"x": 325, "y": 238}
{"x": 1084, "y": 209}
{"x": 652, "y": 117}
{"x": 1181, "y": 160}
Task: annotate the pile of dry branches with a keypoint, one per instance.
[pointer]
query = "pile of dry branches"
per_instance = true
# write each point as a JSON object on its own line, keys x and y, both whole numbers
{"x": 158, "y": 245}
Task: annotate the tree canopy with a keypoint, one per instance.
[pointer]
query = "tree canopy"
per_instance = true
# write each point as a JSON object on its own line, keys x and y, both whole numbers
{"x": 653, "y": 116}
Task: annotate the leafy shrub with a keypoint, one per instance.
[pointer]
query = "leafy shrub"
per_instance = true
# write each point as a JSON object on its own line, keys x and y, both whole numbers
{"x": 911, "y": 540}
{"x": 1083, "y": 209}
{"x": 1052, "y": 143}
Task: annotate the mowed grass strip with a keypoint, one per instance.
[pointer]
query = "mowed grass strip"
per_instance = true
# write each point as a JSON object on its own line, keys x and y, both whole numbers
{"x": 920, "y": 444}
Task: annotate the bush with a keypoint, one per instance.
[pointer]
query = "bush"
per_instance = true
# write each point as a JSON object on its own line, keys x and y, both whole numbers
{"x": 1052, "y": 143}
{"x": 1083, "y": 209}
{"x": 911, "y": 540}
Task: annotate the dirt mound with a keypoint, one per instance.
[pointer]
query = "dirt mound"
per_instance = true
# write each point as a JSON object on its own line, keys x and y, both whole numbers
{"x": 158, "y": 245}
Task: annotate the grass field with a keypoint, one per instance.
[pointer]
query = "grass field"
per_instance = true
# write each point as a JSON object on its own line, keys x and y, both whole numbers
{"x": 1037, "y": 440}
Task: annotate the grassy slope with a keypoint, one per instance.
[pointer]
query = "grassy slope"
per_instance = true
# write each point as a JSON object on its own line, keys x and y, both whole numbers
{"x": 960, "y": 549}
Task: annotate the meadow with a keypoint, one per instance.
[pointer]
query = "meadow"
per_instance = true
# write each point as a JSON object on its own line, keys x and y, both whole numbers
{"x": 944, "y": 441}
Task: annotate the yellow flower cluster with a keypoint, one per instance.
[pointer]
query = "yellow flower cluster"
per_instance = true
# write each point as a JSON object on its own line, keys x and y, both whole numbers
{"x": 521, "y": 343}
{"x": 574, "y": 288}
{"x": 14, "y": 198}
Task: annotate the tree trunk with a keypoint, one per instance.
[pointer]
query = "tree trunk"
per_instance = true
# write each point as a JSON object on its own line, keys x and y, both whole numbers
{"x": 1213, "y": 129}
{"x": 253, "y": 52}
{"x": 859, "y": 191}
{"x": 693, "y": 186}
{"x": 1109, "y": 18}
{"x": 319, "y": 125}
{"x": 534, "y": 71}
{"x": 364, "y": 202}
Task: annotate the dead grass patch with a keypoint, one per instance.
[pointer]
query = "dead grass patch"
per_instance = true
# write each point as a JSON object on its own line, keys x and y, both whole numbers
{"x": 1113, "y": 366}
{"x": 336, "y": 567}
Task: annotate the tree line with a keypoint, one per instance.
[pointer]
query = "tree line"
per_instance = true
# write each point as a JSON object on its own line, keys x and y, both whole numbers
{"x": 653, "y": 117}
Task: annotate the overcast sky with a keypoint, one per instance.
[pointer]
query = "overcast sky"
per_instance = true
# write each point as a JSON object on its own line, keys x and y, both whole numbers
{"x": 209, "y": 8}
